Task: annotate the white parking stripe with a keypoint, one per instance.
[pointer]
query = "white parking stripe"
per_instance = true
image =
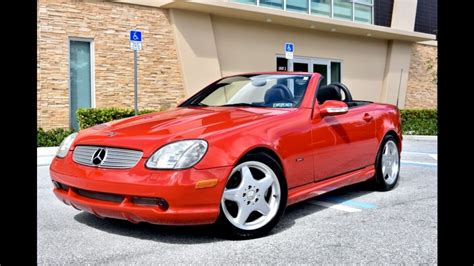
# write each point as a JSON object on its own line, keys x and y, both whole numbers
{"x": 334, "y": 206}
{"x": 416, "y": 152}
{"x": 420, "y": 163}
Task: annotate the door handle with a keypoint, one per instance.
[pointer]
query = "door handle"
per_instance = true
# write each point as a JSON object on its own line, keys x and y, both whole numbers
{"x": 367, "y": 117}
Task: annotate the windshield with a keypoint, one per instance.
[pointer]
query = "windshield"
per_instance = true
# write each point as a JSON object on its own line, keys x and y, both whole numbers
{"x": 276, "y": 91}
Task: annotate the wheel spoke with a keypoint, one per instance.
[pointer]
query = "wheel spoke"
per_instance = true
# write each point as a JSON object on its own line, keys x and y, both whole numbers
{"x": 243, "y": 214}
{"x": 265, "y": 183}
{"x": 231, "y": 194}
{"x": 247, "y": 176}
{"x": 263, "y": 207}
{"x": 389, "y": 171}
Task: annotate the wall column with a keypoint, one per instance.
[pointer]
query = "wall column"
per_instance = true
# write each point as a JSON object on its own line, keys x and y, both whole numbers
{"x": 196, "y": 49}
{"x": 397, "y": 64}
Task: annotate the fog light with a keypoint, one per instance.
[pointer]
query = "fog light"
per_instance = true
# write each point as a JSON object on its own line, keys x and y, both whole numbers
{"x": 161, "y": 203}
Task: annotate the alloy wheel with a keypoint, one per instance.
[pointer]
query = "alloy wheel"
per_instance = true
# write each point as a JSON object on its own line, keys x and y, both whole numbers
{"x": 252, "y": 196}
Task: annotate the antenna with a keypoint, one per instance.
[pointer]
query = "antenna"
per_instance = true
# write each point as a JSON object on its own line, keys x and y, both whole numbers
{"x": 399, "y": 85}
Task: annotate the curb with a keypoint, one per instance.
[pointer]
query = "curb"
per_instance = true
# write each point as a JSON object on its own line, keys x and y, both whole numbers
{"x": 419, "y": 137}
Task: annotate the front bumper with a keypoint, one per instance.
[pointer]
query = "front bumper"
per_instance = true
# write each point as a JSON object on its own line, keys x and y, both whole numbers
{"x": 187, "y": 204}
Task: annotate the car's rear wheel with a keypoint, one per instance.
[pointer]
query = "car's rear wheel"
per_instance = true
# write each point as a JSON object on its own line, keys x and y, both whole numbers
{"x": 387, "y": 164}
{"x": 254, "y": 198}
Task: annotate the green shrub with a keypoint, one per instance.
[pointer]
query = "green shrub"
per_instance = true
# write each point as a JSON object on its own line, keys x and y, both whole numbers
{"x": 419, "y": 121}
{"x": 88, "y": 117}
{"x": 51, "y": 137}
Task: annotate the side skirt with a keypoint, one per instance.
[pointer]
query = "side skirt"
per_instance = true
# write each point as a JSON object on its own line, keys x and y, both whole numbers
{"x": 318, "y": 188}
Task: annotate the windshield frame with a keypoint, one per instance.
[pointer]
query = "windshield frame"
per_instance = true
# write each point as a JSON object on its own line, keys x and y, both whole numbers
{"x": 194, "y": 101}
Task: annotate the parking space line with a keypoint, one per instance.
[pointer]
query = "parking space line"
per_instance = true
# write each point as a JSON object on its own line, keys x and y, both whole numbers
{"x": 334, "y": 206}
{"x": 420, "y": 163}
{"x": 417, "y": 152}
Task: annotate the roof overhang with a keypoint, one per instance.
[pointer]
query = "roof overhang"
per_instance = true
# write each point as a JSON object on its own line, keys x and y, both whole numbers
{"x": 280, "y": 17}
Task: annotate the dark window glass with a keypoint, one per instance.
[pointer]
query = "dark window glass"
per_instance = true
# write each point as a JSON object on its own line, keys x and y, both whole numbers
{"x": 282, "y": 64}
{"x": 335, "y": 72}
{"x": 323, "y": 70}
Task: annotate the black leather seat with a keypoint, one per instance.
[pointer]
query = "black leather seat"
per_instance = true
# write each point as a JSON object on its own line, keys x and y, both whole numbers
{"x": 328, "y": 92}
{"x": 277, "y": 93}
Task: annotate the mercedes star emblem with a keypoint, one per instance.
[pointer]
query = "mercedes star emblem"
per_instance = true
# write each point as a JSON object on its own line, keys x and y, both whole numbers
{"x": 99, "y": 156}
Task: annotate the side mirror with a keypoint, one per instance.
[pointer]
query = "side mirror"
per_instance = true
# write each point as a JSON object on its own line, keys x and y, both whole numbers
{"x": 331, "y": 107}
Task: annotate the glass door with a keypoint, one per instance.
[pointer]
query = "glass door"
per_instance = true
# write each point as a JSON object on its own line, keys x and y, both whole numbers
{"x": 303, "y": 65}
{"x": 321, "y": 66}
{"x": 80, "y": 78}
{"x": 330, "y": 69}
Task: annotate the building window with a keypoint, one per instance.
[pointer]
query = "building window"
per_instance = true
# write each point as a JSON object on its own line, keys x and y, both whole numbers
{"x": 363, "y": 12}
{"x": 80, "y": 77}
{"x": 272, "y": 3}
{"x": 297, "y": 5}
{"x": 342, "y": 9}
{"x": 321, "y": 7}
{"x": 246, "y": 1}
{"x": 353, "y": 10}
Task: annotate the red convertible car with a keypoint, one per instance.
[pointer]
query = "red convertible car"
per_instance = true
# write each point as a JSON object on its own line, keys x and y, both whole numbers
{"x": 237, "y": 153}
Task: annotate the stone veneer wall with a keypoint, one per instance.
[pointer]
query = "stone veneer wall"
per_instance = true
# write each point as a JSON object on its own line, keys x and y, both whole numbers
{"x": 159, "y": 74}
{"x": 422, "y": 82}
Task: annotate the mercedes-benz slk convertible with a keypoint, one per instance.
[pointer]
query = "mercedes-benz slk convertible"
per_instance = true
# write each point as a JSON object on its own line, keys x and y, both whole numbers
{"x": 237, "y": 153}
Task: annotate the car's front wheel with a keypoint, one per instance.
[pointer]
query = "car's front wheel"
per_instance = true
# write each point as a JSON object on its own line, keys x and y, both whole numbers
{"x": 254, "y": 198}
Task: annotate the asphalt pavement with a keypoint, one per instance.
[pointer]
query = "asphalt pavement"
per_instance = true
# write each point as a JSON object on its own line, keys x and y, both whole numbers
{"x": 350, "y": 225}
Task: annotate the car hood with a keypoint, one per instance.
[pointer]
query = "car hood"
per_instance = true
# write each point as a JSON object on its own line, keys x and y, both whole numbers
{"x": 150, "y": 131}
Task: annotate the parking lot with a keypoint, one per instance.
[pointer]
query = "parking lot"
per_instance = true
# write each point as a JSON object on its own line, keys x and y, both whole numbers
{"x": 350, "y": 225}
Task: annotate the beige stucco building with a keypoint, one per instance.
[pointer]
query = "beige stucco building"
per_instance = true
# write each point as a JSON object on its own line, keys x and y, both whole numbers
{"x": 85, "y": 60}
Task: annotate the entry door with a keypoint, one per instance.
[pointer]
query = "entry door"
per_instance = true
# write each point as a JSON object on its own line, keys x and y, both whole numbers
{"x": 303, "y": 65}
{"x": 322, "y": 67}
{"x": 80, "y": 78}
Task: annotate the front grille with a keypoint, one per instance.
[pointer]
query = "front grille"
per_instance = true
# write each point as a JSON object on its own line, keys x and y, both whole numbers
{"x": 99, "y": 195}
{"x": 114, "y": 157}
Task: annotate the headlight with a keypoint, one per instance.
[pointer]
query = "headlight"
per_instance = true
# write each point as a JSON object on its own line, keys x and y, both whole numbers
{"x": 65, "y": 145}
{"x": 178, "y": 155}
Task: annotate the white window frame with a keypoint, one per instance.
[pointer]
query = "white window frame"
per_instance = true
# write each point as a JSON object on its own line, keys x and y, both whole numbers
{"x": 314, "y": 60}
{"x": 354, "y": 2}
{"x": 92, "y": 53}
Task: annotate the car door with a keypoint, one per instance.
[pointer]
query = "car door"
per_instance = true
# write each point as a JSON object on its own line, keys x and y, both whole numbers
{"x": 343, "y": 143}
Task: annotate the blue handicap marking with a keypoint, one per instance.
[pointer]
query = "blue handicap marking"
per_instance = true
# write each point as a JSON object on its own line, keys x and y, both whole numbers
{"x": 135, "y": 36}
{"x": 289, "y": 47}
{"x": 347, "y": 202}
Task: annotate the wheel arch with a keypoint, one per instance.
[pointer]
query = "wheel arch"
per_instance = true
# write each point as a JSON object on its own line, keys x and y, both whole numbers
{"x": 268, "y": 151}
{"x": 392, "y": 132}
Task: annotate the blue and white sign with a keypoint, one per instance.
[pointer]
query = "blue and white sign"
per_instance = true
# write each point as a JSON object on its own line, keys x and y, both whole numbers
{"x": 135, "y": 40}
{"x": 289, "y": 49}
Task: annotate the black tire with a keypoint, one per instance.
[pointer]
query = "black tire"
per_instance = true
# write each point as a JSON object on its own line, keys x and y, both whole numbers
{"x": 228, "y": 230}
{"x": 379, "y": 180}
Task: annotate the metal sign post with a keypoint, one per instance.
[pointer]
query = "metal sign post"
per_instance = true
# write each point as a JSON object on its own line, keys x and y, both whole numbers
{"x": 135, "y": 77}
{"x": 135, "y": 45}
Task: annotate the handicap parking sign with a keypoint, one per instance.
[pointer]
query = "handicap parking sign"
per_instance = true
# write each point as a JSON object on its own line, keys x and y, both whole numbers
{"x": 135, "y": 40}
{"x": 289, "y": 49}
{"x": 135, "y": 36}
